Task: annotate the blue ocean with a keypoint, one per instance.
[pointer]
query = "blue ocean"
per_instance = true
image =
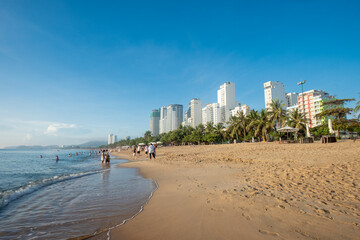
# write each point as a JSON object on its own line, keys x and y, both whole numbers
{"x": 42, "y": 198}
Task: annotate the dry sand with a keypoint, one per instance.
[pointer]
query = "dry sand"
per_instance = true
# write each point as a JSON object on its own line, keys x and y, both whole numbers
{"x": 250, "y": 191}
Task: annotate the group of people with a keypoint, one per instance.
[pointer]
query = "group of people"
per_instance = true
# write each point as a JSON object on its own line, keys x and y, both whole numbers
{"x": 105, "y": 156}
{"x": 149, "y": 151}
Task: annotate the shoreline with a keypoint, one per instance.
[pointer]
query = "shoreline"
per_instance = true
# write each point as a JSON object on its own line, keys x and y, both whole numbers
{"x": 249, "y": 191}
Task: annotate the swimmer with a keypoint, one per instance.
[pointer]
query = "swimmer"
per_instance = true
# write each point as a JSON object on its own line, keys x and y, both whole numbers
{"x": 57, "y": 158}
{"x": 40, "y": 156}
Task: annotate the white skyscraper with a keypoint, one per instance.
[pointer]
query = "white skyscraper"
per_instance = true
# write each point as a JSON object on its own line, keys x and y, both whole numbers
{"x": 274, "y": 91}
{"x": 162, "y": 123}
{"x": 195, "y": 110}
{"x": 211, "y": 113}
{"x": 226, "y": 100}
{"x": 170, "y": 117}
{"x": 245, "y": 109}
{"x": 110, "y": 138}
{"x": 292, "y": 99}
{"x": 113, "y": 139}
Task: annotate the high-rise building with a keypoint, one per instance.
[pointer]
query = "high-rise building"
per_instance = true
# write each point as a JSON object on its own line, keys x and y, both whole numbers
{"x": 113, "y": 139}
{"x": 226, "y": 100}
{"x": 292, "y": 99}
{"x": 211, "y": 113}
{"x": 163, "y": 115}
{"x": 245, "y": 109}
{"x": 110, "y": 138}
{"x": 155, "y": 122}
{"x": 310, "y": 104}
{"x": 170, "y": 118}
{"x": 274, "y": 91}
{"x": 195, "y": 110}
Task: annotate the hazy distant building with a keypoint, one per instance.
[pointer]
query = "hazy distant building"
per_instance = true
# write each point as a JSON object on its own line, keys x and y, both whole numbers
{"x": 111, "y": 138}
{"x": 274, "y": 91}
{"x": 155, "y": 122}
{"x": 226, "y": 100}
{"x": 310, "y": 104}
{"x": 114, "y": 139}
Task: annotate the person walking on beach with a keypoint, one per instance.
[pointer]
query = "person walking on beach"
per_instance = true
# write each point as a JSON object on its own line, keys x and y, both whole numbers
{"x": 152, "y": 150}
{"x": 134, "y": 152}
{"x": 146, "y": 150}
{"x": 138, "y": 150}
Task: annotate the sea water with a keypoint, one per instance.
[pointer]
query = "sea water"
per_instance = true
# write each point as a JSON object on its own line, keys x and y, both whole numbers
{"x": 41, "y": 198}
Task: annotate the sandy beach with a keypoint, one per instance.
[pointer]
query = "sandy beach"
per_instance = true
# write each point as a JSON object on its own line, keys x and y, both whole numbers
{"x": 250, "y": 191}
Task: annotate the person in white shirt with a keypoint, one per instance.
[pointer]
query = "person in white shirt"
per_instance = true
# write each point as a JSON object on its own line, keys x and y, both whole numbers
{"x": 152, "y": 150}
{"x": 138, "y": 150}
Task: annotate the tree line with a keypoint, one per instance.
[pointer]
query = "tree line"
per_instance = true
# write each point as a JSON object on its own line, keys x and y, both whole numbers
{"x": 258, "y": 125}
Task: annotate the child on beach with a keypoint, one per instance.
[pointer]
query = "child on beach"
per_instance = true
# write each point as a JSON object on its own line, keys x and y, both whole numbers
{"x": 138, "y": 150}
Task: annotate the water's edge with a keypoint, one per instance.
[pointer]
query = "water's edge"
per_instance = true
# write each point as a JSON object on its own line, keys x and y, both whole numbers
{"x": 101, "y": 232}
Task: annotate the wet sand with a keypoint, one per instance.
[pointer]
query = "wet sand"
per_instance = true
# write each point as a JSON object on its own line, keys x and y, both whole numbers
{"x": 250, "y": 191}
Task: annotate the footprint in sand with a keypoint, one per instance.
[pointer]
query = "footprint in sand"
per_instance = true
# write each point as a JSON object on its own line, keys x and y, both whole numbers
{"x": 269, "y": 233}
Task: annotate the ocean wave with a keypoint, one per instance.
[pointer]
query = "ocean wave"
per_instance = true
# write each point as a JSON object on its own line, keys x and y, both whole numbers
{"x": 8, "y": 196}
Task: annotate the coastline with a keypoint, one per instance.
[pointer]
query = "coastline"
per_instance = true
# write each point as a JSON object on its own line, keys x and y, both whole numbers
{"x": 249, "y": 191}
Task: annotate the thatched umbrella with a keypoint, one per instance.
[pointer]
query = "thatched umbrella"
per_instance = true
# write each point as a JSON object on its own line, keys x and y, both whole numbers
{"x": 287, "y": 130}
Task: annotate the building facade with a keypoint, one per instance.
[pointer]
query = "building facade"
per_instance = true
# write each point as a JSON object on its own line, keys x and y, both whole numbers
{"x": 155, "y": 122}
{"x": 226, "y": 100}
{"x": 310, "y": 104}
{"x": 292, "y": 99}
{"x": 245, "y": 109}
{"x": 274, "y": 91}
{"x": 162, "y": 121}
{"x": 111, "y": 138}
{"x": 195, "y": 110}
{"x": 171, "y": 118}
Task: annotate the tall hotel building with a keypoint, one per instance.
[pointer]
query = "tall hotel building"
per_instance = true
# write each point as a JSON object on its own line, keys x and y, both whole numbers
{"x": 112, "y": 138}
{"x": 274, "y": 91}
{"x": 193, "y": 116}
{"x": 226, "y": 100}
{"x": 310, "y": 103}
{"x": 170, "y": 118}
{"x": 211, "y": 113}
{"x": 155, "y": 122}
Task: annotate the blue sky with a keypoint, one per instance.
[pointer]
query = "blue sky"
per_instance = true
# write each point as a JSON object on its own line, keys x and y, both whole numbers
{"x": 73, "y": 71}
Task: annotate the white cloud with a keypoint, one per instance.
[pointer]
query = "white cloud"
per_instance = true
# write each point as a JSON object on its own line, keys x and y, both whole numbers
{"x": 54, "y": 128}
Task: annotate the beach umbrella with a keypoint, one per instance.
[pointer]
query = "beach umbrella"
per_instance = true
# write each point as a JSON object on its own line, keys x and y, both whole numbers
{"x": 287, "y": 130}
{"x": 330, "y": 126}
{"x": 159, "y": 142}
{"x": 141, "y": 144}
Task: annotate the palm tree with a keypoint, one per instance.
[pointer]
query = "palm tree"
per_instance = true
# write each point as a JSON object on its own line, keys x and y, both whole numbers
{"x": 219, "y": 130}
{"x": 262, "y": 125}
{"x": 277, "y": 113}
{"x": 297, "y": 120}
{"x": 234, "y": 128}
{"x": 357, "y": 108}
{"x": 209, "y": 127}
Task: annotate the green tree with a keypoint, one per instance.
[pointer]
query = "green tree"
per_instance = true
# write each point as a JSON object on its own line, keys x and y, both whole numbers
{"x": 297, "y": 120}
{"x": 262, "y": 125}
{"x": 277, "y": 113}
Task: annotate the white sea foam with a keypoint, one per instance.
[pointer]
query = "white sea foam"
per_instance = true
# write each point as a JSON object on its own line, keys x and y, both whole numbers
{"x": 8, "y": 196}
